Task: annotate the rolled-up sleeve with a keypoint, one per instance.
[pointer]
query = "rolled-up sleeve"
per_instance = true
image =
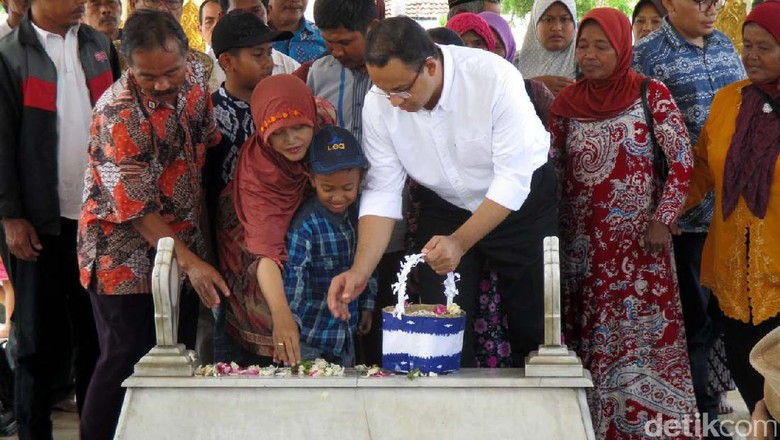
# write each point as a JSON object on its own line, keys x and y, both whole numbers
{"x": 520, "y": 143}
{"x": 386, "y": 175}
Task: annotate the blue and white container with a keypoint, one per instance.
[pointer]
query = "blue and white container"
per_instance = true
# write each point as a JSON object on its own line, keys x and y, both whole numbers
{"x": 429, "y": 343}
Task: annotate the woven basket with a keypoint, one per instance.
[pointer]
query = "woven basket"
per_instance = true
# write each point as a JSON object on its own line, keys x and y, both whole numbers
{"x": 765, "y": 358}
{"x": 429, "y": 343}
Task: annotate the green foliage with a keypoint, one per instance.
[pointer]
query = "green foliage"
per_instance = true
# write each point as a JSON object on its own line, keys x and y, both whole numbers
{"x": 521, "y": 7}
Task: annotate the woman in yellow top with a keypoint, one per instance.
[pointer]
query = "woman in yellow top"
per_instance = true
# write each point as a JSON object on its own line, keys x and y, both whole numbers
{"x": 737, "y": 156}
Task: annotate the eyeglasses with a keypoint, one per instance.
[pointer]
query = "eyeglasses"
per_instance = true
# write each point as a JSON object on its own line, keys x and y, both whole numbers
{"x": 705, "y": 5}
{"x": 171, "y": 5}
{"x": 96, "y": 4}
{"x": 405, "y": 93}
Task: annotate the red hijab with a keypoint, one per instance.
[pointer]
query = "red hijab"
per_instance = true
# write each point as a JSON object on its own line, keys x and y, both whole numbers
{"x": 268, "y": 187}
{"x": 766, "y": 15}
{"x": 603, "y": 99}
{"x": 755, "y": 146}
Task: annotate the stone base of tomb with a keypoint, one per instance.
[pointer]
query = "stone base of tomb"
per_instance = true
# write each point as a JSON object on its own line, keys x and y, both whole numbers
{"x": 470, "y": 404}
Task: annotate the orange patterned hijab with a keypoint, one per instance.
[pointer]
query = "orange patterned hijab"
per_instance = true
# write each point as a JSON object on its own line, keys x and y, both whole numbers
{"x": 269, "y": 187}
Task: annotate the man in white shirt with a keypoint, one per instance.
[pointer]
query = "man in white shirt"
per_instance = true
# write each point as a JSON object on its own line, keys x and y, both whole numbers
{"x": 52, "y": 70}
{"x": 16, "y": 9}
{"x": 459, "y": 122}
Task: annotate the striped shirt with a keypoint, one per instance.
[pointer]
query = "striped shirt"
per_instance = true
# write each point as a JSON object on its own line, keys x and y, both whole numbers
{"x": 345, "y": 88}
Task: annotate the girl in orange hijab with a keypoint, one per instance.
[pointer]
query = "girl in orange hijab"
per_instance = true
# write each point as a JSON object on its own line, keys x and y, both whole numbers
{"x": 255, "y": 212}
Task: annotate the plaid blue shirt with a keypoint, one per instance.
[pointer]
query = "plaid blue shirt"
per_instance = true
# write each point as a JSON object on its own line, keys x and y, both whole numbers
{"x": 321, "y": 245}
{"x": 305, "y": 45}
{"x": 693, "y": 75}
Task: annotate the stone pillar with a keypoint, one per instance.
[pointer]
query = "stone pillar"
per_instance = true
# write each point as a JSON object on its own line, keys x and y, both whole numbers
{"x": 553, "y": 359}
{"x": 168, "y": 357}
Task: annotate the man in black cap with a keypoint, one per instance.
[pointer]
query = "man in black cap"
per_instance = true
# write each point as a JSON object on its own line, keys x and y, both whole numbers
{"x": 242, "y": 45}
{"x": 52, "y": 71}
{"x": 282, "y": 62}
{"x": 475, "y": 6}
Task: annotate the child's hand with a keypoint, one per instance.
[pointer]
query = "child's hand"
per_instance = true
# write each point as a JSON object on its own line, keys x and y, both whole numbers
{"x": 364, "y": 326}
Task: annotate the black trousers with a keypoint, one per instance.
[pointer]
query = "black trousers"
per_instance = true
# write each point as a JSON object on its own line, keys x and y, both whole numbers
{"x": 701, "y": 315}
{"x": 52, "y": 321}
{"x": 369, "y": 346}
{"x": 513, "y": 250}
{"x": 125, "y": 326}
{"x": 739, "y": 339}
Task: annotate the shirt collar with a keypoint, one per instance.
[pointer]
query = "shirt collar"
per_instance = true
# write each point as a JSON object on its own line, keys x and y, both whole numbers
{"x": 44, "y": 35}
{"x": 334, "y": 219}
{"x": 149, "y": 102}
{"x": 332, "y": 62}
{"x": 448, "y": 65}
{"x": 677, "y": 40}
{"x": 306, "y": 26}
{"x": 235, "y": 101}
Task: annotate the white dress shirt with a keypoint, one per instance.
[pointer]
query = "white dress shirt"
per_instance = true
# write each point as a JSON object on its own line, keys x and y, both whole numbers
{"x": 481, "y": 140}
{"x": 74, "y": 116}
{"x": 219, "y": 72}
{"x": 283, "y": 63}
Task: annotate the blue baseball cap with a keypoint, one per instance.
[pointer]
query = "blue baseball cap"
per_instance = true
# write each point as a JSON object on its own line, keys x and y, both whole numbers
{"x": 334, "y": 149}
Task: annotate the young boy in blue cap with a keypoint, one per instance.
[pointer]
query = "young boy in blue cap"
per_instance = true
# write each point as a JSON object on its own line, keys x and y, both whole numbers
{"x": 321, "y": 244}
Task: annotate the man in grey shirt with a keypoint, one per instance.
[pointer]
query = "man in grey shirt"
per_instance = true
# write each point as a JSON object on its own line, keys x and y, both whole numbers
{"x": 341, "y": 76}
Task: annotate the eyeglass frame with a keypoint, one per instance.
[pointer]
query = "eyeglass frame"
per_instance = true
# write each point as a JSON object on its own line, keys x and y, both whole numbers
{"x": 710, "y": 4}
{"x": 403, "y": 94}
{"x": 99, "y": 3}
{"x": 165, "y": 3}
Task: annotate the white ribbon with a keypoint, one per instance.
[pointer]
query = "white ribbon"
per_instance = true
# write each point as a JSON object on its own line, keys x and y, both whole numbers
{"x": 399, "y": 287}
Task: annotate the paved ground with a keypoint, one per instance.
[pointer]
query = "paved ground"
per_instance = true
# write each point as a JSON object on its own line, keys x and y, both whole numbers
{"x": 740, "y": 410}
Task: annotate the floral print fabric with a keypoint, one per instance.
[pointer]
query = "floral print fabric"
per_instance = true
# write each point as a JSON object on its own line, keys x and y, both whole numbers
{"x": 621, "y": 302}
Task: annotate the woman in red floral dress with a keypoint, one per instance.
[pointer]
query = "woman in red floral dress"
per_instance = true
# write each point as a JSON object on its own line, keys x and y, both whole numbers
{"x": 622, "y": 306}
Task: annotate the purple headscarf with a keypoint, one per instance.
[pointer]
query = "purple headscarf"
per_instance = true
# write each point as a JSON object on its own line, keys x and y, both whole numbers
{"x": 501, "y": 27}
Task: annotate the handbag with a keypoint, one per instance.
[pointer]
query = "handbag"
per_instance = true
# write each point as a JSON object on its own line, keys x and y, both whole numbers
{"x": 659, "y": 158}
